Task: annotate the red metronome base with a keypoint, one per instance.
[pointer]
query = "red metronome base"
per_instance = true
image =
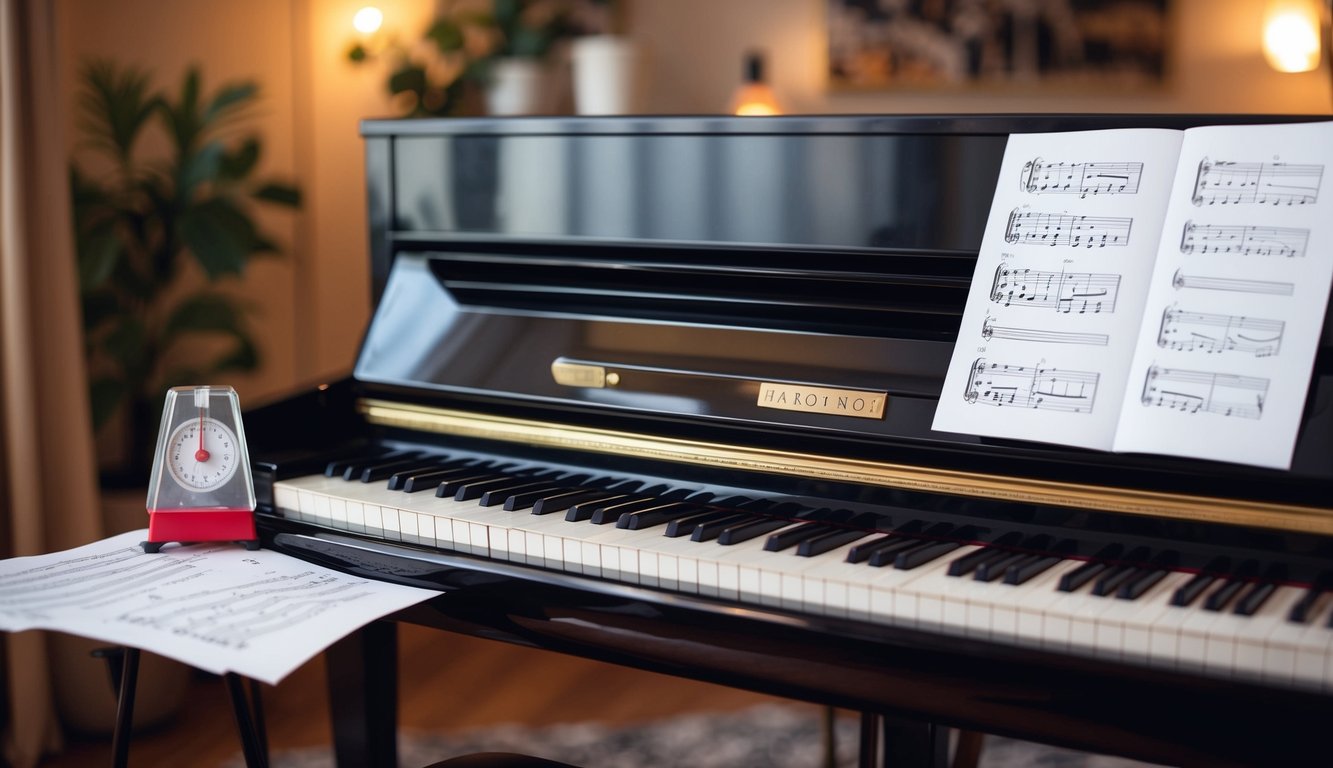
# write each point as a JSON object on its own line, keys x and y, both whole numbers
{"x": 201, "y": 525}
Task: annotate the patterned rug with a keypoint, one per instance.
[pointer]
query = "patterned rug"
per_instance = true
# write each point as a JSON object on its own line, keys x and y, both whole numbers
{"x": 767, "y": 736}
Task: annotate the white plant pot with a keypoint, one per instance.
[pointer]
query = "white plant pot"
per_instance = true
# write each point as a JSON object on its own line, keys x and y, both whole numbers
{"x": 517, "y": 88}
{"x": 604, "y": 75}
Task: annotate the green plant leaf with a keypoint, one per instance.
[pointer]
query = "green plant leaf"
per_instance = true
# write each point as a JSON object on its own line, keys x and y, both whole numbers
{"x": 98, "y": 307}
{"x": 279, "y": 193}
{"x": 239, "y": 164}
{"x": 244, "y": 356}
{"x": 446, "y": 34}
{"x": 127, "y": 343}
{"x": 409, "y": 78}
{"x": 228, "y": 101}
{"x": 198, "y": 168}
{"x": 105, "y": 394}
{"x": 220, "y": 236}
{"x": 98, "y": 252}
{"x": 205, "y": 312}
{"x": 114, "y": 105}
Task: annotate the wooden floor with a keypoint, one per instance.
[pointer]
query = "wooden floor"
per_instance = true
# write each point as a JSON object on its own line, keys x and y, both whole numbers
{"x": 445, "y": 682}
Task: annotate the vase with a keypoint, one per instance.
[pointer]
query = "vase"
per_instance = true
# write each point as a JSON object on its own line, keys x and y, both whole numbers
{"x": 604, "y": 75}
{"x": 517, "y": 87}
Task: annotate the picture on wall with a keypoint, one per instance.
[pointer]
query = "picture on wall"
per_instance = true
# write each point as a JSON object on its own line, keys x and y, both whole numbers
{"x": 1011, "y": 43}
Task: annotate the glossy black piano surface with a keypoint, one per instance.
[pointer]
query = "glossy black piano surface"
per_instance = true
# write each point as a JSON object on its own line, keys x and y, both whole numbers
{"x": 554, "y": 418}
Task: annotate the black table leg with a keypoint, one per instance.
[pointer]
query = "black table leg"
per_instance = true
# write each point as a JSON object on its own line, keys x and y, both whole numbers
{"x": 897, "y": 743}
{"x": 363, "y": 696}
{"x": 252, "y": 744}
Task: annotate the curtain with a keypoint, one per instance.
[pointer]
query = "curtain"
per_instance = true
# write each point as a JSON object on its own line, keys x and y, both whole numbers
{"x": 48, "y": 488}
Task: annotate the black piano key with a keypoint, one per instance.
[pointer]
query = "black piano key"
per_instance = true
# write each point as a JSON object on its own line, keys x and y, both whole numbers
{"x": 658, "y": 515}
{"x": 450, "y": 486}
{"x": 684, "y": 526}
{"x": 1222, "y": 596}
{"x": 530, "y": 498}
{"x": 1254, "y": 598}
{"x": 1189, "y": 591}
{"x": 793, "y": 536}
{"x": 473, "y": 490}
{"x": 888, "y": 554}
{"x": 584, "y": 510}
{"x": 373, "y": 473}
{"x": 829, "y": 542}
{"x": 1145, "y": 577}
{"x": 564, "y": 501}
{"x": 990, "y": 570}
{"x": 496, "y": 497}
{"x": 1089, "y": 570}
{"x": 612, "y": 511}
{"x": 973, "y": 560}
{"x": 715, "y": 528}
{"x": 918, "y": 556}
{"x": 751, "y": 530}
{"x": 1028, "y": 569}
{"x": 862, "y": 552}
{"x": 338, "y": 467}
{"x": 1110, "y": 580}
{"x": 1300, "y": 611}
{"x": 415, "y": 481}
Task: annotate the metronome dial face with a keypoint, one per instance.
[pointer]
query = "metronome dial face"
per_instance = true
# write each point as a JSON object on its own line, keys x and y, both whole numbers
{"x": 201, "y": 454}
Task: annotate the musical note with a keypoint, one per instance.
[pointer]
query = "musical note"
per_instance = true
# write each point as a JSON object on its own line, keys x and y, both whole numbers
{"x": 1065, "y": 292}
{"x": 1223, "y": 394}
{"x": 1231, "y": 183}
{"x": 1244, "y": 240}
{"x": 989, "y": 331}
{"x": 1038, "y": 228}
{"x": 1266, "y": 287}
{"x": 1082, "y": 179}
{"x": 1191, "y": 331}
{"x": 1035, "y": 386}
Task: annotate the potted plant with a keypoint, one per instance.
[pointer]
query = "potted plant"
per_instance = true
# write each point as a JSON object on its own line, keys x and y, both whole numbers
{"x": 478, "y": 56}
{"x": 157, "y": 235}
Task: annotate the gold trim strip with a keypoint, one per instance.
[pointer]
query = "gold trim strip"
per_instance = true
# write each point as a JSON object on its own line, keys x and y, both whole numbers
{"x": 1137, "y": 502}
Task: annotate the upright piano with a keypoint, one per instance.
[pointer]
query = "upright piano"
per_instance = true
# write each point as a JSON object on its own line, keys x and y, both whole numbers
{"x": 557, "y": 419}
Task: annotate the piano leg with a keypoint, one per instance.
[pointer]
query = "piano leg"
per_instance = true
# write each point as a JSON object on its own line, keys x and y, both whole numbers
{"x": 893, "y": 742}
{"x": 363, "y": 696}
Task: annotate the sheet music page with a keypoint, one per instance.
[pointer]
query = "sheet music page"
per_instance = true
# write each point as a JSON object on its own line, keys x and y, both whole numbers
{"x": 218, "y": 607}
{"x": 1237, "y": 300}
{"x": 1049, "y": 328}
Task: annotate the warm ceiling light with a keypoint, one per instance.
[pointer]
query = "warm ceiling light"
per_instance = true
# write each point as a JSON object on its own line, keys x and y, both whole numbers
{"x": 368, "y": 20}
{"x": 1291, "y": 35}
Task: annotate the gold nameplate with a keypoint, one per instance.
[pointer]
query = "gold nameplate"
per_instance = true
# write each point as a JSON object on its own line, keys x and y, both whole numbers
{"x": 579, "y": 375}
{"x": 837, "y": 402}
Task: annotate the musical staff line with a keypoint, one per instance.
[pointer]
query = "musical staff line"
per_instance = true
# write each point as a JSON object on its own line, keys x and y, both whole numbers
{"x": 1239, "y": 285}
{"x": 1193, "y": 331}
{"x": 1065, "y": 292}
{"x": 1230, "y": 183}
{"x": 1082, "y": 179}
{"x": 1224, "y": 394}
{"x": 1244, "y": 240}
{"x": 1031, "y": 386}
{"x": 1053, "y": 229}
{"x": 991, "y": 331}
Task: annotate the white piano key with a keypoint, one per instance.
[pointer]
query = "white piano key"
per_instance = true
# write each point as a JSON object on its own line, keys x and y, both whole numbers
{"x": 1146, "y": 630}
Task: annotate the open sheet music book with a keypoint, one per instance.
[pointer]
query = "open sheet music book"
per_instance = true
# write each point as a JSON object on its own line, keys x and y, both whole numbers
{"x": 1150, "y": 291}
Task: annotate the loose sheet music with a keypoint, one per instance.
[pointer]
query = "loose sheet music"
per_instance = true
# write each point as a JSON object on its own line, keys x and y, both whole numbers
{"x": 1151, "y": 291}
{"x": 218, "y": 607}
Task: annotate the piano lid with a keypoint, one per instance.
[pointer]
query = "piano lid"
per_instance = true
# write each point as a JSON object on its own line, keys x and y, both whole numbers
{"x": 768, "y": 295}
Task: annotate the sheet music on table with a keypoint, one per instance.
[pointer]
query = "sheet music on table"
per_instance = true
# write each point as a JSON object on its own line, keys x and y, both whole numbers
{"x": 1151, "y": 291}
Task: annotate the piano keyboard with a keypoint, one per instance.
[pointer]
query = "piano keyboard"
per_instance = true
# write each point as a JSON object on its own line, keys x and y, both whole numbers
{"x": 1126, "y": 603}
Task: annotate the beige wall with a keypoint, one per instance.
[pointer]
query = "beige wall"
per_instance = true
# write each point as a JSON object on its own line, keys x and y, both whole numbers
{"x": 313, "y": 302}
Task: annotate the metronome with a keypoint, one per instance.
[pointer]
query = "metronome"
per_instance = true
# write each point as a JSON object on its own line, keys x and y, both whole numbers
{"x": 200, "y": 488}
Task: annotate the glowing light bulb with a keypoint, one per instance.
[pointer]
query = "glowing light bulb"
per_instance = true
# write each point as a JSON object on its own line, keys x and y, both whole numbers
{"x": 368, "y": 20}
{"x": 754, "y": 97}
{"x": 1291, "y": 35}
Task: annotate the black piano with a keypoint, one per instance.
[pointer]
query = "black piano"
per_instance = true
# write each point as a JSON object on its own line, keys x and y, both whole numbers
{"x": 556, "y": 419}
